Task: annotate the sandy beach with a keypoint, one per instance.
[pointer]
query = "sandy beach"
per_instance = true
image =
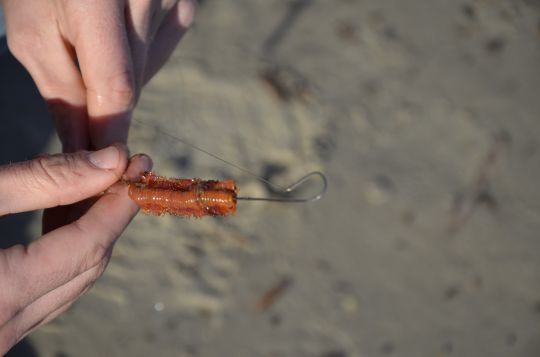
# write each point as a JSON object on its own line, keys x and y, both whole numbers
{"x": 425, "y": 118}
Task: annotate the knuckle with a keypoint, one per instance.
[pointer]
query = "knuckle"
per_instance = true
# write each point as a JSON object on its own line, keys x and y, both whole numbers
{"x": 22, "y": 42}
{"x": 54, "y": 173}
{"x": 118, "y": 89}
{"x": 44, "y": 175}
{"x": 15, "y": 46}
{"x": 97, "y": 260}
{"x": 98, "y": 253}
{"x": 100, "y": 268}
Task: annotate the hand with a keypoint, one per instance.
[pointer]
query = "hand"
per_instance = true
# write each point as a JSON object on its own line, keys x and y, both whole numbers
{"x": 90, "y": 58}
{"x": 40, "y": 281}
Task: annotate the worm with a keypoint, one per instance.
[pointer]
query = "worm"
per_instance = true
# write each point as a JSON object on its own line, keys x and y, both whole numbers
{"x": 183, "y": 197}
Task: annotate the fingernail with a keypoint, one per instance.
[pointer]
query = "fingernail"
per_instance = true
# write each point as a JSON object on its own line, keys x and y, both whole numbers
{"x": 187, "y": 12}
{"x": 147, "y": 161}
{"x": 105, "y": 158}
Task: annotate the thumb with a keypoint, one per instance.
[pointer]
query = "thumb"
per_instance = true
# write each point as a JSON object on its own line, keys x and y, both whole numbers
{"x": 60, "y": 179}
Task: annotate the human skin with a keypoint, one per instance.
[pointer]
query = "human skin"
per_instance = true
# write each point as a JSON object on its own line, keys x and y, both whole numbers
{"x": 41, "y": 280}
{"x": 90, "y": 58}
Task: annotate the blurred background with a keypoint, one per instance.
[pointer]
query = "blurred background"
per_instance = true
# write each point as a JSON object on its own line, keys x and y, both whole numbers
{"x": 424, "y": 115}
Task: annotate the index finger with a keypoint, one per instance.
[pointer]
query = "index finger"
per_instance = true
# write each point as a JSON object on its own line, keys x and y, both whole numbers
{"x": 106, "y": 65}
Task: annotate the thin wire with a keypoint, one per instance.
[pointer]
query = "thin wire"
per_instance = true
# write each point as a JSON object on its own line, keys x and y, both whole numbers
{"x": 292, "y": 188}
{"x": 212, "y": 155}
{"x": 284, "y": 190}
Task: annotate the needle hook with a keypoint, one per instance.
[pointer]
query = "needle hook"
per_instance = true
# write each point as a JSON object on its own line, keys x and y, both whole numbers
{"x": 292, "y": 188}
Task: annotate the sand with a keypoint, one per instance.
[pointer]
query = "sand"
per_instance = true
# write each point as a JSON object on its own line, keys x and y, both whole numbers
{"x": 424, "y": 117}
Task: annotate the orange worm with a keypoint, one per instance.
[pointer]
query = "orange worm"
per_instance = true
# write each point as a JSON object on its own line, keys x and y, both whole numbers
{"x": 149, "y": 179}
{"x": 183, "y": 197}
